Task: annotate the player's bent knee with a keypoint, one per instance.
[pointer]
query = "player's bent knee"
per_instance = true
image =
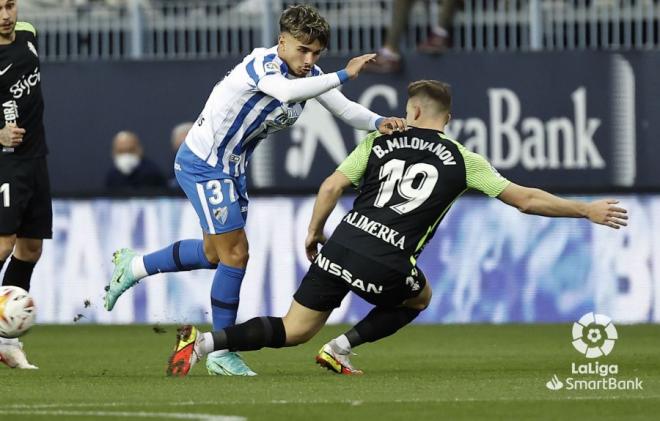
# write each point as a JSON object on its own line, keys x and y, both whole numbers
{"x": 236, "y": 258}
{"x": 421, "y": 306}
{"x": 422, "y": 301}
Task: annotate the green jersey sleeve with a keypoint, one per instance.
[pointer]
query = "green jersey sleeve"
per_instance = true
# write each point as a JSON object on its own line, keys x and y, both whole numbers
{"x": 480, "y": 175}
{"x": 25, "y": 26}
{"x": 355, "y": 165}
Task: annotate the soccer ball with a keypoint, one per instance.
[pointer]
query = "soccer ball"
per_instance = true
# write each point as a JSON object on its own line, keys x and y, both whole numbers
{"x": 17, "y": 311}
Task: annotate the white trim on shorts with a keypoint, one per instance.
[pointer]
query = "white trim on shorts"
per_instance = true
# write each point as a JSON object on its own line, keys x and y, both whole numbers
{"x": 205, "y": 208}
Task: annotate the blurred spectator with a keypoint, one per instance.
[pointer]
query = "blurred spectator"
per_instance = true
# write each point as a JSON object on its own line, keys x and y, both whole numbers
{"x": 389, "y": 57}
{"x": 179, "y": 133}
{"x": 131, "y": 170}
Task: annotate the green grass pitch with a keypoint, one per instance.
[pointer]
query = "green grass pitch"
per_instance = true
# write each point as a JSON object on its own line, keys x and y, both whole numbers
{"x": 423, "y": 372}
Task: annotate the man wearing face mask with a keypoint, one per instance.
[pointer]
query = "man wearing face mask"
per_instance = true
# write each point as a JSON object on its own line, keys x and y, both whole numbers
{"x": 131, "y": 170}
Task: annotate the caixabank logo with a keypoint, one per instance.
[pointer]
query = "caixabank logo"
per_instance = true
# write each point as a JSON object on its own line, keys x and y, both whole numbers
{"x": 594, "y": 336}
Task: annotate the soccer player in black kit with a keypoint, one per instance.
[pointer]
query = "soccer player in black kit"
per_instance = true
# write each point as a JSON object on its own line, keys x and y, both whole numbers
{"x": 25, "y": 202}
{"x": 408, "y": 180}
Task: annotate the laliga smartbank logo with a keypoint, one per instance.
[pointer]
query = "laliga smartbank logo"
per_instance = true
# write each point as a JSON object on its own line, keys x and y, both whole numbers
{"x": 594, "y": 336}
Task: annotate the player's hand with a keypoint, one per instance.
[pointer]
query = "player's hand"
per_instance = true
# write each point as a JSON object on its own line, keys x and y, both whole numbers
{"x": 311, "y": 245}
{"x": 390, "y": 125}
{"x": 356, "y": 64}
{"x": 11, "y": 136}
{"x": 605, "y": 212}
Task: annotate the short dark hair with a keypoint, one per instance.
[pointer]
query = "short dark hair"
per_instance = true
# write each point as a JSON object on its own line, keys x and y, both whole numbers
{"x": 437, "y": 91}
{"x": 306, "y": 24}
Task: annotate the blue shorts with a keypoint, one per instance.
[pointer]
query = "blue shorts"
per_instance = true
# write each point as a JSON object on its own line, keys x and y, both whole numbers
{"x": 221, "y": 201}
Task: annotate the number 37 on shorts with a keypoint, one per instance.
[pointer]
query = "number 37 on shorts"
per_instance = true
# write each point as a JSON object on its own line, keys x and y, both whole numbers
{"x": 221, "y": 205}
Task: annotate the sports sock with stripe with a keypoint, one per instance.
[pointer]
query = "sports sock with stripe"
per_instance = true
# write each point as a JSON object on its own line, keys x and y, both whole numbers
{"x": 225, "y": 294}
{"x": 252, "y": 335}
{"x": 181, "y": 256}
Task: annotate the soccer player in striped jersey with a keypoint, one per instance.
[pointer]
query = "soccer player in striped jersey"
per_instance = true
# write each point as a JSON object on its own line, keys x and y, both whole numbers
{"x": 263, "y": 94}
{"x": 408, "y": 182}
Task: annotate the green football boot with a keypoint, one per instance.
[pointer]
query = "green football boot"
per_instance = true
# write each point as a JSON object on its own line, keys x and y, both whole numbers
{"x": 227, "y": 364}
{"x": 122, "y": 277}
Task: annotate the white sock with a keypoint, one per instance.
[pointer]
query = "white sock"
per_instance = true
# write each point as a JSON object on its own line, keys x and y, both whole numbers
{"x": 341, "y": 345}
{"x": 206, "y": 344}
{"x": 9, "y": 341}
{"x": 138, "y": 268}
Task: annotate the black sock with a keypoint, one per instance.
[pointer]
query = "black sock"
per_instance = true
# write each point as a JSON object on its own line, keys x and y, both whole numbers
{"x": 252, "y": 335}
{"x": 380, "y": 323}
{"x": 18, "y": 273}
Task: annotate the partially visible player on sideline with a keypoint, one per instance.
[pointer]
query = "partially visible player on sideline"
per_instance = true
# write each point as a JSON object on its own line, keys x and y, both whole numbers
{"x": 408, "y": 182}
{"x": 263, "y": 94}
{"x": 26, "y": 216}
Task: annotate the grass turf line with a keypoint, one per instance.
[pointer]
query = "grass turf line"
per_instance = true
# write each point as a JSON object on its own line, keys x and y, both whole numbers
{"x": 424, "y": 371}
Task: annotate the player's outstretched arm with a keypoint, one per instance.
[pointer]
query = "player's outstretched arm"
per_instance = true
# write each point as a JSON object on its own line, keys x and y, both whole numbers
{"x": 326, "y": 200}
{"x": 539, "y": 202}
{"x": 297, "y": 90}
{"x": 357, "y": 115}
{"x": 302, "y": 89}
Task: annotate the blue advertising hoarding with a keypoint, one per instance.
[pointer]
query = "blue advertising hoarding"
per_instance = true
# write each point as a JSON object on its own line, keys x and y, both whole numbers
{"x": 486, "y": 263}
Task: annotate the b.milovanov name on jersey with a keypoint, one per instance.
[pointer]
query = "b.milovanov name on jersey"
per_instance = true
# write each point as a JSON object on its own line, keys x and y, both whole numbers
{"x": 402, "y": 142}
{"x": 376, "y": 229}
{"x": 336, "y": 270}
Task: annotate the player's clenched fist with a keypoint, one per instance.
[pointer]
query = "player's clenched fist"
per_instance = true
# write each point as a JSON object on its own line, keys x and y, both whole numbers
{"x": 390, "y": 125}
{"x": 11, "y": 136}
{"x": 356, "y": 64}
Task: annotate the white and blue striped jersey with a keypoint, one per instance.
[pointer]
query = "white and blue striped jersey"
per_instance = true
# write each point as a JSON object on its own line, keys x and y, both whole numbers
{"x": 237, "y": 115}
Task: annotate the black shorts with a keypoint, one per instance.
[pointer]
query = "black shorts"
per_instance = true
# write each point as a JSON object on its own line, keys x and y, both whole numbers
{"x": 338, "y": 270}
{"x": 25, "y": 202}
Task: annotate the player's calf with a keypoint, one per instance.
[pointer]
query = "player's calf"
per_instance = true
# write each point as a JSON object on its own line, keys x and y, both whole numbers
{"x": 28, "y": 249}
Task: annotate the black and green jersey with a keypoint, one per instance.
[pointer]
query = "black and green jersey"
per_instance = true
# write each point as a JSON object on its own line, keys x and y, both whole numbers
{"x": 20, "y": 93}
{"x": 409, "y": 181}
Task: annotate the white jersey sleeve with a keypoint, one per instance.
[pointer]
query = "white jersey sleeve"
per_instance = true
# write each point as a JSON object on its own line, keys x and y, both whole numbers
{"x": 273, "y": 83}
{"x": 350, "y": 112}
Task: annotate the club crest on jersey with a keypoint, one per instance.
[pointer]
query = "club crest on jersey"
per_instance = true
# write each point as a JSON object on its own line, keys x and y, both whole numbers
{"x": 288, "y": 116}
{"x": 221, "y": 214}
{"x": 271, "y": 67}
{"x": 32, "y": 48}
